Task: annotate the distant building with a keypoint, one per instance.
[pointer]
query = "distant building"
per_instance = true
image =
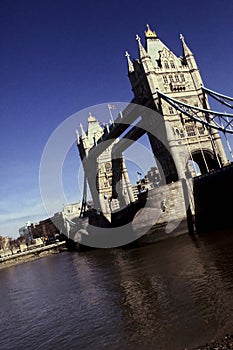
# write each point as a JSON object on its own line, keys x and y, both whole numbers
{"x": 72, "y": 210}
{"x": 5, "y": 246}
{"x": 25, "y": 231}
{"x": 149, "y": 181}
{"x": 69, "y": 215}
{"x": 45, "y": 228}
{"x": 154, "y": 177}
{"x": 53, "y": 226}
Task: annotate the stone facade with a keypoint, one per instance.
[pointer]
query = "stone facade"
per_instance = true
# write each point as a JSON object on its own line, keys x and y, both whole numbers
{"x": 159, "y": 69}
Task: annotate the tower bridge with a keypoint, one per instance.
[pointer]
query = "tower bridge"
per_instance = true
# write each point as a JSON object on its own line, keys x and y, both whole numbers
{"x": 171, "y": 107}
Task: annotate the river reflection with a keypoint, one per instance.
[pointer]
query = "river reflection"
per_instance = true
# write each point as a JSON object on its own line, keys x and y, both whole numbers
{"x": 170, "y": 295}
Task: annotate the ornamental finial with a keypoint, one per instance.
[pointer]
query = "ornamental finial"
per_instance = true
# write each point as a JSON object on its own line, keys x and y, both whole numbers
{"x": 127, "y": 54}
{"x": 149, "y": 33}
{"x": 130, "y": 64}
{"x": 138, "y": 39}
{"x": 181, "y": 37}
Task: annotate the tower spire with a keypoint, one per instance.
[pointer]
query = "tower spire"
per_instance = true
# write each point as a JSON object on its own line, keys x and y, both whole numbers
{"x": 142, "y": 51}
{"x": 130, "y": 64}
{"x": 78, "y": 136}
{"x": 188, "y": 56}
{"x": 186, "y": 50}
{"x": 82, "y": 131}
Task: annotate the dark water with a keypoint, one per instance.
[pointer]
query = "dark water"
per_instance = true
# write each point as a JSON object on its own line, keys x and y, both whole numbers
{"x": 170, "y": 295}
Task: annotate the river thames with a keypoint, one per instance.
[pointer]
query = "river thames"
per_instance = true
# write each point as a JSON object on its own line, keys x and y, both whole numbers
{"x": 171, "y": 295}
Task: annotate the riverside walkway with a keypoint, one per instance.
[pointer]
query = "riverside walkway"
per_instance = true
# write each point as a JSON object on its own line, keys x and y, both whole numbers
{"x": 36, "y": 251}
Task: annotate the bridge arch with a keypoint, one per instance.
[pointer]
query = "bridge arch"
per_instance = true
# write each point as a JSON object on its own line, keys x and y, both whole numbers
{"x": 205, "y": 159}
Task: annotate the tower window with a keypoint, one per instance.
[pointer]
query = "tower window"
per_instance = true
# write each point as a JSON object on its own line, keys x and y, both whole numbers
{"x": 182, "y": 77}
{"x": 165, "y": 79}
{"x": 108, "y": 167}
{"x": 171, "y": 78}
{"x": 171, "y": 111}
{"x": 176, "y": 78}
{"x": 190, "y": 130}
{"x": 201, "y": 130}
{"x": 181, "y": 133}
{"x": 172, "y": 64}
{"x": 177, "y": 132}
{"x": 166, "y": 65}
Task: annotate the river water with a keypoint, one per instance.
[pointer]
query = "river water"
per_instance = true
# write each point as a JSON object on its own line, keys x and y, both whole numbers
{"x": 169, "y": 295}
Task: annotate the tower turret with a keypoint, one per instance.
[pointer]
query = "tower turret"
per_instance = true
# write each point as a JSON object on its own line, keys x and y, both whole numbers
{"x": 188, "y": 56}
{"x": 148, "y": 67}
{"x": 94, "y": 130}
{"x": 141, "y": 49}
{"x": 129, "y": 62}
{"x": 189, "y": 60}
{"x": 84, "y": 143}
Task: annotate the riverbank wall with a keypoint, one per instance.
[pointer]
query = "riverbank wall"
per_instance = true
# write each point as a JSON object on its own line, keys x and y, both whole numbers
{"x": 32, "y": 254}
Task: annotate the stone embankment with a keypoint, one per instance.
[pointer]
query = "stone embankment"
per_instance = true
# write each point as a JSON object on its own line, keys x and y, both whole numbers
{"x": 32, "y": 254}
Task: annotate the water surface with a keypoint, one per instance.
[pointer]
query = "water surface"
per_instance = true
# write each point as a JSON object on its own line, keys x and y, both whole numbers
{"x": 170, "y": 295}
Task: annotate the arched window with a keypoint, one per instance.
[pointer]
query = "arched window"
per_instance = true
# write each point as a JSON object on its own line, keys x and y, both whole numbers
{"x": 166, "y": 65}
{"x": 108, "y": 167}
{"x": 190, "y": 129}
{"x": 201, "y": 130}
{"x": 182, "y": 77}
{"x": 165, "y": 79}
{"x": 172, "y": 64}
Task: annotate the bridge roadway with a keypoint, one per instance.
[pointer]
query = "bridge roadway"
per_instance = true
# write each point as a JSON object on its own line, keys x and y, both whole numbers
{"x": 124, "y": 120}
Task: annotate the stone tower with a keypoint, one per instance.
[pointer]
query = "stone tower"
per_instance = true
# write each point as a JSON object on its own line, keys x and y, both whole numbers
{"x": 158, "y": 68}
{"x": 98, "y": 172}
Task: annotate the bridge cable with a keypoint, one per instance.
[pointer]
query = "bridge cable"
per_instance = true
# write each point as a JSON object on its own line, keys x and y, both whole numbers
{"x": 228, "y": 144}
{"x": 219, "y": 97}
{"x": 192, "y": 112}
{"x": 210, "y": 130}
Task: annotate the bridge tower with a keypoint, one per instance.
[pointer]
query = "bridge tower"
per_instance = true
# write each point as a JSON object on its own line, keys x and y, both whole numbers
{"x": 98, "y": 171}
{"x": 159, "y": 69}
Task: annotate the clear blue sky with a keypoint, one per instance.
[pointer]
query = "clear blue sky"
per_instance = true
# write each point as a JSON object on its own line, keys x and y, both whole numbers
{"x": 58, "y": 57}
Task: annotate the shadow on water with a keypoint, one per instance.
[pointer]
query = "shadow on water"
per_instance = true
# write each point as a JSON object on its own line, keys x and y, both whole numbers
{"x": 174, "y": 294}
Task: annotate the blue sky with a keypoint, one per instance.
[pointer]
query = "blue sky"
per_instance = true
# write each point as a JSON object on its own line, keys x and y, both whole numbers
{"x": 59, "y": 57}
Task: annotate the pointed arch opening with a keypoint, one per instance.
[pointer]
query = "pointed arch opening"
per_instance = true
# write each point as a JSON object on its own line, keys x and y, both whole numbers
{"x": 203, "y": 162}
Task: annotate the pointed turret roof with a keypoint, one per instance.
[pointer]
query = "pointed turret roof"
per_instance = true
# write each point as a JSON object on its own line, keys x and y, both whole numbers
{"x": 94, "y": 130}
{"x": 141, "y": 49}
{"x": 84, "y": 135}
{"x": 186, "y": 50}
{"x": 91, "y": 118}
{"x": 129, "y": 62}
{"x": 77, "y": 135}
